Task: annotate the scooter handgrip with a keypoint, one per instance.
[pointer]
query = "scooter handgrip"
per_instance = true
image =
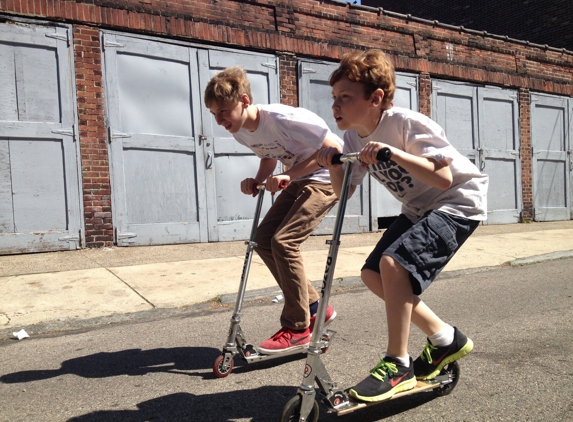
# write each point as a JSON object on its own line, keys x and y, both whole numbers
{"x": 384, "y": 155}
{"x": 336, "y": 159}
{"x": 283, "y": 184}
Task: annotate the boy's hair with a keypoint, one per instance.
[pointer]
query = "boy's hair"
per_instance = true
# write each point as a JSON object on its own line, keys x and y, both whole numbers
{"x": 373, "y": 68}
{"x": 228, "y": 86}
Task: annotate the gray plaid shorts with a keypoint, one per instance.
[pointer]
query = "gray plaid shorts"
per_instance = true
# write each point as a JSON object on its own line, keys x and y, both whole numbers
{"x": 423, "y": 248}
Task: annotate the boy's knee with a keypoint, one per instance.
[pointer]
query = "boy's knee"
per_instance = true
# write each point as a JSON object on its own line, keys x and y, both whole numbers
{"x": 277, "y": 246}
{"x": 389, "y": 264}
{"x": 263, "y": 243}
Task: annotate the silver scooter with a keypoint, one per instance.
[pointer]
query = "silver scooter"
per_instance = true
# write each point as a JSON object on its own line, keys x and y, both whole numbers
{"x": 236, "y": 343}
{"x": 304, "y": 407}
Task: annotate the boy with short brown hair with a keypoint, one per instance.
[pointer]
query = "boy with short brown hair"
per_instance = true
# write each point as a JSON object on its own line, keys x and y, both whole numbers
{"x": 293, "y": 136}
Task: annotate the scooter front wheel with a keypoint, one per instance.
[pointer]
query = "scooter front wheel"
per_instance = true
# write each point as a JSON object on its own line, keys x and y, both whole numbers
{"x": 219, "y": 369}
{"x": 291, "y": 411}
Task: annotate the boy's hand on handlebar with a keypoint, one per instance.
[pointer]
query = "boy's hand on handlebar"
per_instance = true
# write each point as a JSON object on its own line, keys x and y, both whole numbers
{"x": 249, "y": 186}
{"x": 324, "y": 157}
{"x": 368, "y": 153}
{"x": 276, "y": 183}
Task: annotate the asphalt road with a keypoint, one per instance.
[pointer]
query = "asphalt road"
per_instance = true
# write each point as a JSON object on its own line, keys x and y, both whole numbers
{"x": 520, "y": 318}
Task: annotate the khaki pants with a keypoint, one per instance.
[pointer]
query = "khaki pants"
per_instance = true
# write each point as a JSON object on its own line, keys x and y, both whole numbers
{"x": 296, "y": 213}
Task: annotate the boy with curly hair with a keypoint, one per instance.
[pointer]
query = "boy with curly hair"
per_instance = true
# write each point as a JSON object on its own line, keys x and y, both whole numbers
{"x": 443, "y": 197}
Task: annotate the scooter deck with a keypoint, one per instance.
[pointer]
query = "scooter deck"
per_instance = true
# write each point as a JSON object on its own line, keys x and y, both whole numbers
{"x": 354, "y": 405}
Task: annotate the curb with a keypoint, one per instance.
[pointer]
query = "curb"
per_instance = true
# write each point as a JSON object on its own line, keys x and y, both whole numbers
{"x": 541, "y": 258}
{"x": 59, "y": 327}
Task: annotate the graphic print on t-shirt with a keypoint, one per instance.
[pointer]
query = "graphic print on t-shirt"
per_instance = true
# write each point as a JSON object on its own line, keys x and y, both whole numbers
{"x": 394, "y": 177}
{"x": 274, "y": 150}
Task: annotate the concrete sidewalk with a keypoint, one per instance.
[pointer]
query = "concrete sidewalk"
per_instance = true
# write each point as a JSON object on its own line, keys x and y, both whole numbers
{"x": 70, "y": 290}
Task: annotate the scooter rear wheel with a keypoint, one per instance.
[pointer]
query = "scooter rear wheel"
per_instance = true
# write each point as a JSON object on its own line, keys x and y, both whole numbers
{"x": 291, "y": 411}
{"x": 218, "y": 368}
{"x": 452, "y": 369}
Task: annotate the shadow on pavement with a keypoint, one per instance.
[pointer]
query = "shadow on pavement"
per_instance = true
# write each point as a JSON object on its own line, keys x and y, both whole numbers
{"x": 126, "y": 362}
{"x": 262, "y": 404}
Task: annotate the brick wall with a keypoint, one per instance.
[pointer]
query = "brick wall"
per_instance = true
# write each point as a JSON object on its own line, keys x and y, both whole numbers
{"x": 288, "y": 79}
{"x": 305, "y": 28}
{"x": 96, "y": 187}
{"x": 322, "y": 29}
{"x": 525, "y": 154}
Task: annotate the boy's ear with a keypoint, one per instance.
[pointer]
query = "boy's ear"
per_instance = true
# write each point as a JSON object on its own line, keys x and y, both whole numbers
{"x": 245, "y": 100}
{"x": 377, "y": 97}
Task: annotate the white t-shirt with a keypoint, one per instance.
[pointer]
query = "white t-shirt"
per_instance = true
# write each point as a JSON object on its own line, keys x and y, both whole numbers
{"x": 418, "y": 135}
{"x": 288, "y": 134}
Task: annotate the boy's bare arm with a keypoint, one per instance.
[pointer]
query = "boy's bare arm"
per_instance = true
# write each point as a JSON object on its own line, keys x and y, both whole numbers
{"x": 336, "y": 170}
{"x": 310, "y": 164}
{"x": 431, "y": 172}
{"x": 266, "y": 168}
{"x": 336, "y": 178}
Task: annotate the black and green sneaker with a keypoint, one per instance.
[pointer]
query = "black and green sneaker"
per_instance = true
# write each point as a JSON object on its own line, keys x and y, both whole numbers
{"x": 433, "y": 359}
{"x": 386, "y": 379}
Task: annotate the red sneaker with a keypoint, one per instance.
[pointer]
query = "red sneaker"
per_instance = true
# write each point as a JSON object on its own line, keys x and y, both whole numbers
{"x": 328, "y": 318}
{"x": 285, "y": 340}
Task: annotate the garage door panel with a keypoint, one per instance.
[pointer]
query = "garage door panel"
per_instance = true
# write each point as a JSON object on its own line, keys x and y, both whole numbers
{"x": 8, "y": 97}
{"x": 551, "y": 187}
{"x": 39, "y": 180}
{"x": 152, "y": 102}
{"x": 142, "y": 47}
{"x": 481, "y": 123}
{"x": 159, "y": 142}
{"x": 549, "y": 130}
{"x": 38, "y": 185}
{"x": 551, "y": 143}
{"x": 149, "y": 198}
{"x": 154, "y": 95}
{"x": 237, "y": 168}
{"x": 503, "y": 195}
{"x": 37, "y": 85}
{"x": 231, "y": 146}
{"x": 455, "y": 110}
{"x": 6, "y": 205}
{"x": 498, "y": 132}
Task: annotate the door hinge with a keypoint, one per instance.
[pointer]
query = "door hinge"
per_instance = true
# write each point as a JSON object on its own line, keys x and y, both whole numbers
{"x": 66, "y": 132}
{"x": 114, "y": 134}
{"x": 269, "y": 65}
{"x": 308, "y": 70}
{"x": 108, "y": 43}
{"x": 122, "y": 236}
{"x": 59, "y": 36}
{"x": 70, "y": 238}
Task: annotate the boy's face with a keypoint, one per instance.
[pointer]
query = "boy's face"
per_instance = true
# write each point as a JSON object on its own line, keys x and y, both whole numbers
{"x": 350, "y": 107}
{"x": 230, "y": 115}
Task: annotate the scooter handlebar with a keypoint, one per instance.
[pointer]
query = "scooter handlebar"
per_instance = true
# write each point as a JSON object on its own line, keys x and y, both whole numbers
{"x": 336, "y": 159}
{"x": 260, "y": 186}
{"x": 383, "y": 156}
